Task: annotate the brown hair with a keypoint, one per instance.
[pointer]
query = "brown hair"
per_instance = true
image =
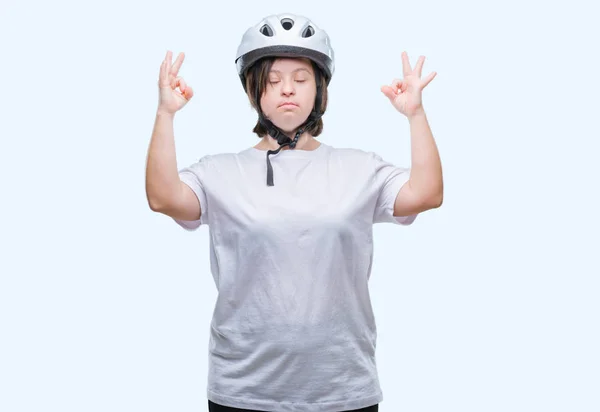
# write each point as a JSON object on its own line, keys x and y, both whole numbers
{"x": 258, "y": 75}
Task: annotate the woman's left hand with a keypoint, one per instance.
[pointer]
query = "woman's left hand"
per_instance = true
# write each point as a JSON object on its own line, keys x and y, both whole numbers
{"x": 405, "y": 94}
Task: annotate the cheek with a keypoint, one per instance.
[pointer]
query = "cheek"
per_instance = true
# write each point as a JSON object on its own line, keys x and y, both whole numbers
{"x": 264, "y": 105}
{"x": 266, "y": 102}
{"x": 309, "y": 100}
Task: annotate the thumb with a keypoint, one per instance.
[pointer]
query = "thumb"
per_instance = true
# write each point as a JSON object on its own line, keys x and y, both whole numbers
{"x": 188, "y": 93}
{"x": 389, "y": 92}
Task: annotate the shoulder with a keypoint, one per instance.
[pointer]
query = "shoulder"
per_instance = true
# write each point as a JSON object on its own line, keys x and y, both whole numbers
{"x": 222, "y": 166}
{"x": 206, "y": 165}
{"x": 217, "y": 160}
{"x": 356, "y": 156}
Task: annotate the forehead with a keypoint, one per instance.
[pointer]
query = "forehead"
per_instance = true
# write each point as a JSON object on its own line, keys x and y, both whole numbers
{"x": 291, "y": 64}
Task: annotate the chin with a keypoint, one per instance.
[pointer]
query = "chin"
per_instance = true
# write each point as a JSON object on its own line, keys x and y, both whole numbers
{"x": 289, "y": 130}
{"x": 287, "y": 127}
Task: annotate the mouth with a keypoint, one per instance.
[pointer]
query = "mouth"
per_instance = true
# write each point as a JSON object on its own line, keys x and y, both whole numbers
{"x": 288, "y": 104}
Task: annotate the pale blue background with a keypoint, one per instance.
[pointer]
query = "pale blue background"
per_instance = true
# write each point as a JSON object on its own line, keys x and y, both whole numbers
{"x": 489, "y": 303}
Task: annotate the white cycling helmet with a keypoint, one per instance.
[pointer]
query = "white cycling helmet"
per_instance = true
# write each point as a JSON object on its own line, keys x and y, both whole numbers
{"x": 284, "y": 35}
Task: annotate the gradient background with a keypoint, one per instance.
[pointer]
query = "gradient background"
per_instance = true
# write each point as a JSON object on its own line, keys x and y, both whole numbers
{"x": 489, "y": 303}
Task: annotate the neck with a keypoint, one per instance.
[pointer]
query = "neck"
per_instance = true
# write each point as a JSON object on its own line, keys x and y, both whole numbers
{"x": 305, "y": 142}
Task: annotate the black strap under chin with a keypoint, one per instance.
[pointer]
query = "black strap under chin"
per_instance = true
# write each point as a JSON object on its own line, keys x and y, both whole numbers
{"x": 277, "y": 134}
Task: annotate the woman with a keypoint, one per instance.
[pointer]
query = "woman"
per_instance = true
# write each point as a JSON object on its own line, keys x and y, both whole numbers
{"x": 293, "y": 327}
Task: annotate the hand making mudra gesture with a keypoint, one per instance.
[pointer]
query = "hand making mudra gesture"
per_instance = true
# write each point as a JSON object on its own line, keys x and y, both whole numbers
{"x": 174, "y": 92}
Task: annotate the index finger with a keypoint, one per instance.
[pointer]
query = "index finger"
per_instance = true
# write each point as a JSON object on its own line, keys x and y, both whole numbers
{"x": 177, "y": 64}
{"x": 168, "y": 58}
{"x": 406, "y": 69}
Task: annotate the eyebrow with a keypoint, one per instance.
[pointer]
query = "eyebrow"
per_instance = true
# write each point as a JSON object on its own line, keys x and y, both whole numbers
{"x": 294, "y": 71}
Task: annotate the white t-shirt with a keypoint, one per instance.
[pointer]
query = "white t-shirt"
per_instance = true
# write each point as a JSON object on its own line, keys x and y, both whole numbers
{"x": 293, "y": 327}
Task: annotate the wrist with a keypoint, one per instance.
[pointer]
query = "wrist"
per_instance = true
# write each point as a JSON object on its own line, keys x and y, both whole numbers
{"x": 417, "y": 114}
{"x": 164, "y": 113}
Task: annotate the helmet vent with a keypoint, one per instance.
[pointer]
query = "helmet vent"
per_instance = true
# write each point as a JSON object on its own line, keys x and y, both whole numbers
{"x": 266, "y": 30}
{"x": 309, "y": 31}
{"x": 287, "y": 23}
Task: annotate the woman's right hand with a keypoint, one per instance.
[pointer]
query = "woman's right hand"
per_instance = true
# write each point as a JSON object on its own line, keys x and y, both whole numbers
{"x": 170, "y": 99}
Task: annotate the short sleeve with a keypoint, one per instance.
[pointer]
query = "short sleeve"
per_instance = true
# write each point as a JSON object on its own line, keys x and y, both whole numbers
{"x": 388, "y": 180}
{"x": 195, "y": 177}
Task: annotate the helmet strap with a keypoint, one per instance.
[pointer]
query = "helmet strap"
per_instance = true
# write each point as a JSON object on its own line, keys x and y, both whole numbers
{"x": 277, "y": 134}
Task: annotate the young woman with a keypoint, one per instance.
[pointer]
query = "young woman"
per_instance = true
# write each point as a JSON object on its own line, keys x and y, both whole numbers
{"x": 290, "y": 222}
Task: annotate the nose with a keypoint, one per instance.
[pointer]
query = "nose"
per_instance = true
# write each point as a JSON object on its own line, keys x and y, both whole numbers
{"x": 287, "y": 87}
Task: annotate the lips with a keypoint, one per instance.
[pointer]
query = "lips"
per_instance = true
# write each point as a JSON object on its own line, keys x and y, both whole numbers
{"x": 288, "y": 104}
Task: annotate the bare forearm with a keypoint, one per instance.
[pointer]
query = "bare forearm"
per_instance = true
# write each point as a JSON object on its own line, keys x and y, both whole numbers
{"x": 162, "y": 176}
{"x": 426, "y": 167}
